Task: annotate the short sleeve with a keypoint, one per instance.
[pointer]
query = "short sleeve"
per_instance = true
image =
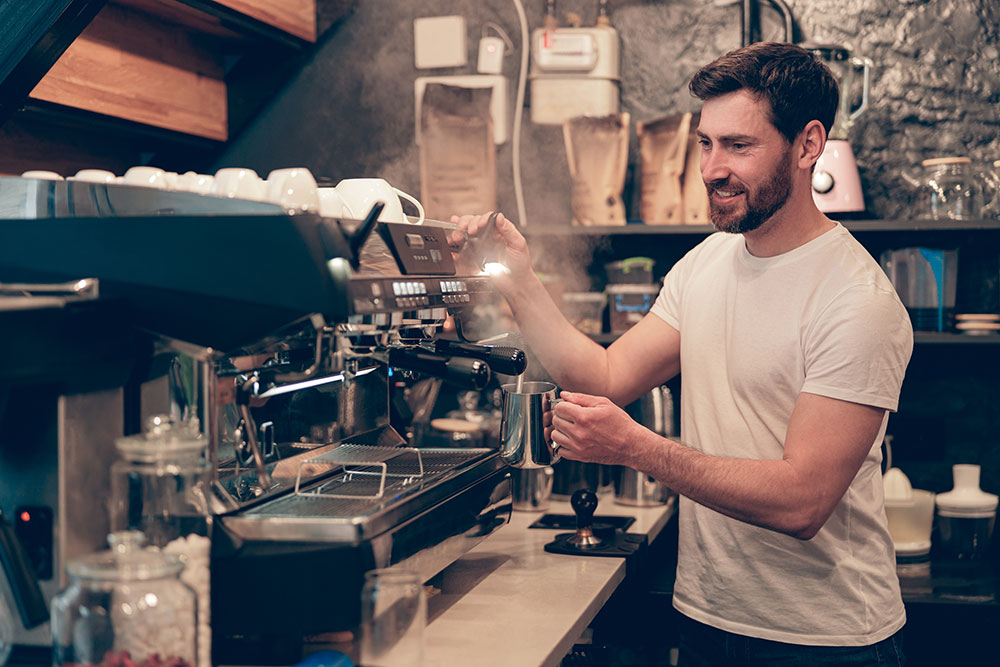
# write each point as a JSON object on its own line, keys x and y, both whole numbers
{"x": 858, "y": 347}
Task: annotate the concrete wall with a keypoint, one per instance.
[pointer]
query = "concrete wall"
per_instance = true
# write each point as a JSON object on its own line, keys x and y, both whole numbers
{"x": 935, "y": 87}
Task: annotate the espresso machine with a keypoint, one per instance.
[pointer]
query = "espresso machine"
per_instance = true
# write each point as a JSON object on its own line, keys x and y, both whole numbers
{"x": 836, "y": 182}
{"x": 280, "y": 334}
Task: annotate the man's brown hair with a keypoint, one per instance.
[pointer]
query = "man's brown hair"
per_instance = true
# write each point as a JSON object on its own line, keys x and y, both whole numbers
{"x": 798, "y": 87}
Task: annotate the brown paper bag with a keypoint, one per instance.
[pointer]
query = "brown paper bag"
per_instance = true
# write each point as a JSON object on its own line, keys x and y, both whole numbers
{"x": 457, "y": 154}
{"x": 694, "y": 192}
{"x": 662, "y": 151}
{"x": 597, "y": 152}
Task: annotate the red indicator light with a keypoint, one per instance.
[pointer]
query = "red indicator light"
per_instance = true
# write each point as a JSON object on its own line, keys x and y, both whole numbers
{"x": 25, "y": 517}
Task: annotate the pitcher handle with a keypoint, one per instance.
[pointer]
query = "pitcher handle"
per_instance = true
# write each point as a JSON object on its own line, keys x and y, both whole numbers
{"x": 417, "y": 204}
{"x": 866, "y": 63}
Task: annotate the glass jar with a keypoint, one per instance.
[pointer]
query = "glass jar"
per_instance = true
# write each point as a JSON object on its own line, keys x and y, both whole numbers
{"x": 952, "y": 188}
{"x": 160, "y": 486}
{"x": 128, "y": 602}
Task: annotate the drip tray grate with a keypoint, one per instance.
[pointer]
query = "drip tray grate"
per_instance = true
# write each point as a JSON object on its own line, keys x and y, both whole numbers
{"x": 364, "y": 470}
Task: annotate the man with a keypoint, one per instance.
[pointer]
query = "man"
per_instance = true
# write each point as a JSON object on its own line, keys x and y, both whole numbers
{"x": 793, "y": 346}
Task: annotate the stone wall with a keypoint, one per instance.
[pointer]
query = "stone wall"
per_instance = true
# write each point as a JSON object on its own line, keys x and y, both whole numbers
{"x": 935, "y": 88}
{"x": 935, "y": 91}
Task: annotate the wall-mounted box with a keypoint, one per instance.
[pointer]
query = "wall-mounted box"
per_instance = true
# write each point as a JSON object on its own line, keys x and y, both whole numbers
{"x": 574, "y": 72}
{"x": 439, "y": 41}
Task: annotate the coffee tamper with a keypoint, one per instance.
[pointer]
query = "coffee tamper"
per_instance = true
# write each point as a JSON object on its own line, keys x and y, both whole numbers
{"x": 584, "y": 503}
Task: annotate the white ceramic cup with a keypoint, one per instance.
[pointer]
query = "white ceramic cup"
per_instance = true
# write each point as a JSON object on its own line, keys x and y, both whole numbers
{"x": 94, "y": 176}
{"x": 332, "y": 205}
{"x": 294, "y": 189}
{"x": 361, "y": 193}
{"x": 189, "y": 181}
{"x": 42, "y": 175}
{"x": 239, "y": 183}
{"x": 149, "y": 177}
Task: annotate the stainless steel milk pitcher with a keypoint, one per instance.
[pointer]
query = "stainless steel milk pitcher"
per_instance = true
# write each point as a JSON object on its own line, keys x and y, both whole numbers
{"x": 522, "y": 433}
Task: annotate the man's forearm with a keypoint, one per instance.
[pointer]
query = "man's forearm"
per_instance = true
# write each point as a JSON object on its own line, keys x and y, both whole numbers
{"x": 763, "y": 493}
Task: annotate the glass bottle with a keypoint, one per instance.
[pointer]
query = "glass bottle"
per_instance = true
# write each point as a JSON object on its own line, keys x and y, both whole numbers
{"x": 160, "y": 486}
{"x": 125, "y": 606}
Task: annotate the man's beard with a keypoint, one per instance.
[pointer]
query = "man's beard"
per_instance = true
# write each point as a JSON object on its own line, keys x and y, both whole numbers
{"x": 760, "y": 204}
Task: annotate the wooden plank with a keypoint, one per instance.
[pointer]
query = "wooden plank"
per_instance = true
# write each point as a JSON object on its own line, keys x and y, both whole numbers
{"x": 129, "y": 65}
{"x": 297, "y": 17}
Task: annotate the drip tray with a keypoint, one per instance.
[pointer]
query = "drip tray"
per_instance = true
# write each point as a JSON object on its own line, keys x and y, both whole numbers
{"x": 366, "y": 490}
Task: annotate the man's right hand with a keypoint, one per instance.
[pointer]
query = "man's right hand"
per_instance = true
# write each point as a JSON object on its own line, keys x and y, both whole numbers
{"x": 512, "y": 247}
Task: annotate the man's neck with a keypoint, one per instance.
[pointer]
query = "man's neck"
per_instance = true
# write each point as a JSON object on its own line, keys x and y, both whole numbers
{"x": 795, "y": 224}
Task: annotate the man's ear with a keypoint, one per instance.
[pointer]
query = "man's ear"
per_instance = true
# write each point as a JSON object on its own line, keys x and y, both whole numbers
{"x": 812, "y": 141}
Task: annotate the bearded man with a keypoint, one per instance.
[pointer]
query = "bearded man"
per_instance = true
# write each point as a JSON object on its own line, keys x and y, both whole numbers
{"x": 793, "y": 345}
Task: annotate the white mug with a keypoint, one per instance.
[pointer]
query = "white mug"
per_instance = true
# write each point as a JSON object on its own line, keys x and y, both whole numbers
{"x": 332, "y": 205}
{"x": 42, "y": 175}
{"x": 94, "y": 176}
{"x": 189, "y": 181}
{"x": 361, "y": 193}
{"x": 294, "y": 189}
{"x": 150, "y": 177}
{"x": 239, "y": 183}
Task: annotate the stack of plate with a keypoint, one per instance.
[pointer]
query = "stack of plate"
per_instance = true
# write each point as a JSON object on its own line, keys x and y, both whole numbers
{"x": 977, "y": 323}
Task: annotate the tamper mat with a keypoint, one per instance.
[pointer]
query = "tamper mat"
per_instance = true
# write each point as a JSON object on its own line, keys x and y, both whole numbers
{"x": 588, "y": 542}
{"x": 621, "y": 544}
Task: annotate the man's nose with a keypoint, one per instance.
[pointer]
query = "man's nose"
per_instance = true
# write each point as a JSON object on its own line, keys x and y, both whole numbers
{"x": 714, "y": 167}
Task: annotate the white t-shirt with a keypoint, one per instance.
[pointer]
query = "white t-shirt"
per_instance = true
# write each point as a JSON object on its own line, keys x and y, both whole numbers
{"x": 755, "y": 332}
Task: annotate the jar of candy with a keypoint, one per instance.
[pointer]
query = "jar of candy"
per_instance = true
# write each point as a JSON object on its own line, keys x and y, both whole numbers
{"x": 125, "y": 606}
{"x": 160, "y": 486}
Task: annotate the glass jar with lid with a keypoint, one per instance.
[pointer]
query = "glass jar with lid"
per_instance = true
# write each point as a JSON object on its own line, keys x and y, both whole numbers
{"x": 126, "y": 604}
{"x": 953, "y": 188}
{"x": 160, "y": 486}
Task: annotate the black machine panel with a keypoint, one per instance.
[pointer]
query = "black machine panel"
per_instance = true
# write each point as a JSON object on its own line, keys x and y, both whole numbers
{"x": 419, "y": 249}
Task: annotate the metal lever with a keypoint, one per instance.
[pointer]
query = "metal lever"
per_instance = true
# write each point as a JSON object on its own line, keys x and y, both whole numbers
{"x": 483, "y": 247}
{"x": 362, "y": 233}
{"x": 243, "y": 393}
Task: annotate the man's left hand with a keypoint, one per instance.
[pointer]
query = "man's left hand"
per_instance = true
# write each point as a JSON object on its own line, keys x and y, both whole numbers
{"x": 593, "y": 429}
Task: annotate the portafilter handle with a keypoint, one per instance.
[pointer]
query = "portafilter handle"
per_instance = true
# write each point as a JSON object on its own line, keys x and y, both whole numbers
{"x": 463, "y": 371}
{"x": 501, "y": 359}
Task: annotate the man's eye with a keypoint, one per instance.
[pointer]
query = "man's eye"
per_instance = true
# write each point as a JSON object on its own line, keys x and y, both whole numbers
{"x": 739, "y": 148}
{"x": 705, "y": 143}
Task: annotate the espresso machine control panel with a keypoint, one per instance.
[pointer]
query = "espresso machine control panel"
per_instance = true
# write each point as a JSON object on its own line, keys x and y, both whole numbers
{"x": 419, "y": 249}
{"x": 371, "y": 295}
